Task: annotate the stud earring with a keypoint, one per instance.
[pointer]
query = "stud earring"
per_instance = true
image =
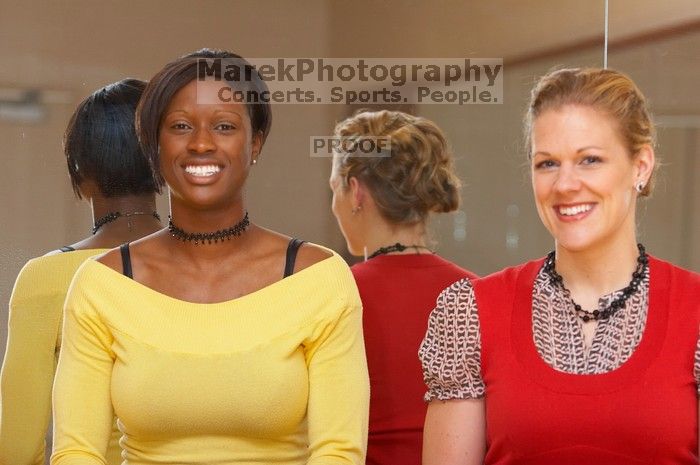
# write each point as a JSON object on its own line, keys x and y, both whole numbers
{"x": 356, "y": 210}
{"x": 255, "y": 161}
{"x": 639, "y": 187}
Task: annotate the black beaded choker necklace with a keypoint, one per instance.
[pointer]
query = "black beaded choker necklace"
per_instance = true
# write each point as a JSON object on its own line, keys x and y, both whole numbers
{"x": 398, "y": 247}
{"x": 112, "y": 216}
{"x": 639, "y": 273}
{"x": 201, "y": 238}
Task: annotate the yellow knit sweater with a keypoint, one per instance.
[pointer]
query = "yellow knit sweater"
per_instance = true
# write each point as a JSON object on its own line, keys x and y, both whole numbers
{"x": 276, "y": 376}
{"x": 34, "y": 339}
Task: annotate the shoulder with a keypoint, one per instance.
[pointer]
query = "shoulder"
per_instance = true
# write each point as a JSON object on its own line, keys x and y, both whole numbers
{"x": 147, "y": 249}
{"x": 453, "y": 268}
{"x": 321, "y": 265}
{"x": 34, "y": 280}
{"x": 112, "y": 259}
{"x": 322, "y": 273}
{"x": 310, "y": 254}
{"x": 272, "y": 244}
{"x": 680, "y": 286}
{"x": 459, "y": 271}
{"x": 56, "y": 252}
{"x": 508, "y": 277}
{"x": 458, "y": 292}
{"x": 49, "y": 273}
{"x": 687, "y": 280}
{"x": 682, "y": 273}
{"x": 367, "y": 273}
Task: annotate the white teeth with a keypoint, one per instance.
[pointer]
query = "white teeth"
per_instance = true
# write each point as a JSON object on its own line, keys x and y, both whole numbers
{"x": 202, "y": 170}
{"x": 571, "y": 211}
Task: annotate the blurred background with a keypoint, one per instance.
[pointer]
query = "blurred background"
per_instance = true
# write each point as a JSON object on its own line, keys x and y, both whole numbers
{"x": 53, "y": 54}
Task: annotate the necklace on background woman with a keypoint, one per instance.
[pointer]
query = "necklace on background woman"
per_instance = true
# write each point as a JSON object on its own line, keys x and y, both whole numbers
{"x": 398, "y": 247}
{"x": 112, "y": 216}
{"x": 614, "y": 306}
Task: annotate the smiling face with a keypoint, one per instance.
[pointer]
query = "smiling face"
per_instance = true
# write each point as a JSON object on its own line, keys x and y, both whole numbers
{"x": 584, "y": 177}
{"x": 206, "y": 149}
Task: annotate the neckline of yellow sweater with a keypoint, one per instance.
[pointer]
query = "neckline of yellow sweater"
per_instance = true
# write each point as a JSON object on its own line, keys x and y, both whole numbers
{"x": 283, "y": 286}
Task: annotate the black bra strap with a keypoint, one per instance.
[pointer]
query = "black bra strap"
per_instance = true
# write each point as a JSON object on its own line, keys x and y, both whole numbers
{"x": 292, "y": 249}
{"x": 126, "y": 260}
{"x": 66, "y": 248}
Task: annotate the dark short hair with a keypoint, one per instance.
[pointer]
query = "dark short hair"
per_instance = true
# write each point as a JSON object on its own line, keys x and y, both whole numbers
{"x": 176, "y": 75}
{"x": 100, "y": 142}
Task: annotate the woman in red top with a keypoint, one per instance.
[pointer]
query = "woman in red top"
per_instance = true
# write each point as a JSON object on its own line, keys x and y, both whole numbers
{"x": 382, "y": 204}
{"x": 589, "y": 356}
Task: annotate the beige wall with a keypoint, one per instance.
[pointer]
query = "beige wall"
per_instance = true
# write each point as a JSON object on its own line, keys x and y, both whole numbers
{"x": 497, "y": 199}
{"x": 75, "y": 46}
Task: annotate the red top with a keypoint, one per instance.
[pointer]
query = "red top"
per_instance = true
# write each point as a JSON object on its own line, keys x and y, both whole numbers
{"x": 646, "y": 411}
{"x": 398, "y": 293}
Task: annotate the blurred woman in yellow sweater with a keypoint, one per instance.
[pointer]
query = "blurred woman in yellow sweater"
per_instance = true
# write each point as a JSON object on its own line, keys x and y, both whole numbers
{"x": 108, "y": 169}
{"x": 213, "y": 341}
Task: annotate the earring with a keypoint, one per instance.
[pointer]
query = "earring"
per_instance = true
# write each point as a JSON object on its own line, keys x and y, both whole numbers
{"x": 356, "y": 210}
{"x": 639, "y": 187}
{"x": 255, "y": 161}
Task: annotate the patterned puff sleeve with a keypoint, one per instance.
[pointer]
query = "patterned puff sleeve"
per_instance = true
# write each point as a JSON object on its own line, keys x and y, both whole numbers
{"x": 451, "y": 350}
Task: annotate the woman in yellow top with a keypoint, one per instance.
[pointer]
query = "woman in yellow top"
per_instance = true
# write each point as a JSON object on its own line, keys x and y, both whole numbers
{"x": 212, "y": 340}
{"x": 108, "y": 169}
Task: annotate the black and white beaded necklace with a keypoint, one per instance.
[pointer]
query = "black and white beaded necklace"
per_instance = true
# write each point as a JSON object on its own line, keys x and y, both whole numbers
{"x": 614, "y": 306}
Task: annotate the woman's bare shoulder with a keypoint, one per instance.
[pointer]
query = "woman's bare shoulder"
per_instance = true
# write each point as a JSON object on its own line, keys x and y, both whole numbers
{"x": 147, "y": 246}
{"x": 112, "y": 259}
{"x": 309, "y": 254}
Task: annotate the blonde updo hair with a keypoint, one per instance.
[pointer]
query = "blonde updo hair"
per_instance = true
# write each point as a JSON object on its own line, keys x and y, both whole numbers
{"x": 417, "y": 178}
{"x": 609, "y": 91}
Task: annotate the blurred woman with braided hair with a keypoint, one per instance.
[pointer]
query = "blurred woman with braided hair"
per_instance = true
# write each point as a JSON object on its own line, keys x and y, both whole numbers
{"x": 383, "y": 205}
